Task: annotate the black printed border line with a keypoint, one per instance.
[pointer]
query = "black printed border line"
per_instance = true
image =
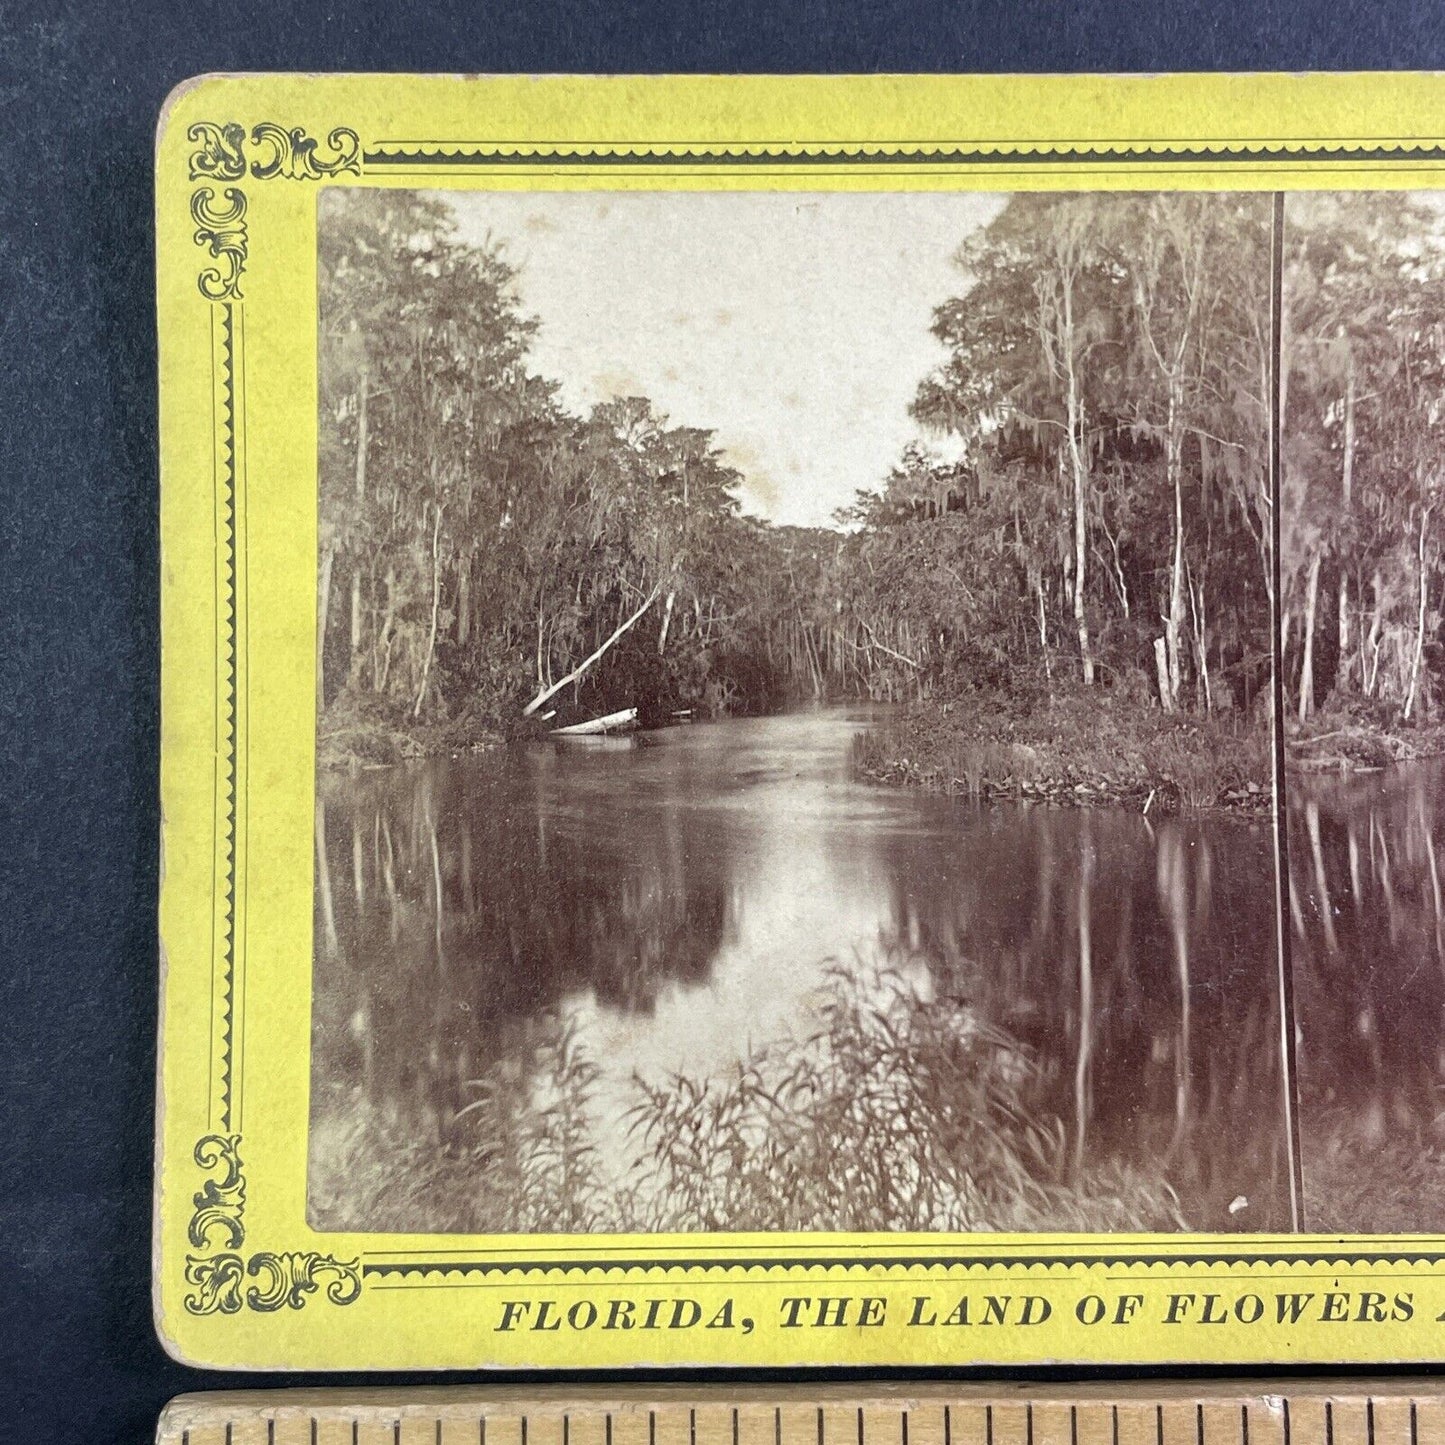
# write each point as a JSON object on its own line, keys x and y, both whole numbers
{"x": 412, "y": 1267}
{"x": 221, "y": 229}
{"x": 229, "y": 739}
{"x": 220, "y": 1279}
{"x": 404, "y": 154}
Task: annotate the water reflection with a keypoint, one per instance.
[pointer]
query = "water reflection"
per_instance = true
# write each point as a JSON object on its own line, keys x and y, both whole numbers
{"x": 1369, "y": 961}
{"x": 714, "y": 983}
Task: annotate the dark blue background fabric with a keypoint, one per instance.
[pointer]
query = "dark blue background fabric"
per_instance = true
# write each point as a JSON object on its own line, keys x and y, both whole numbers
{"x": 80, "y": 88}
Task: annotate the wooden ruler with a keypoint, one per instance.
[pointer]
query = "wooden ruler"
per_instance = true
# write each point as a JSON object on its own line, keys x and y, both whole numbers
{"x": 1295, "y": 1412}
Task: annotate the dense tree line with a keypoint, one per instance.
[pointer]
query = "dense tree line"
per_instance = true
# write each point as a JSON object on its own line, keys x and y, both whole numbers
{"x": 1105, "y": 518}
{"x": 1090, "y": 505}
{"x": 1364, "y": 457}
{"x": 480, "y": 547}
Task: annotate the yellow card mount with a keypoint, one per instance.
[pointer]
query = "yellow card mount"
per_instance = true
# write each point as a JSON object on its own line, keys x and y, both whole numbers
{"x": 800, "y": 722}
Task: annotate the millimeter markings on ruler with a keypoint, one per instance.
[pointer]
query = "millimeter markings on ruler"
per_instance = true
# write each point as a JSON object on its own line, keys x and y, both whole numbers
{"x": 1254, "y": 1412}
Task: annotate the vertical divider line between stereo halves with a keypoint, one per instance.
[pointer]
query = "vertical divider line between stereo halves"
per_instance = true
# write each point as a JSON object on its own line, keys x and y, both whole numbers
{"x": 1289, "y": 1084}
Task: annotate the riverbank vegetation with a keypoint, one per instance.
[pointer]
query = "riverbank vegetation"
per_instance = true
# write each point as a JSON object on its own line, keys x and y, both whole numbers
{"x": 900, "y": 1112}
{"x": 1071, "y": 748}
{"x": 1362, "y": 560}
{"x": 487, "y": 557}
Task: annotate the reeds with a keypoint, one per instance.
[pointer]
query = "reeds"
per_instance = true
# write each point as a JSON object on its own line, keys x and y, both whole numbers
{"x": 518, "y": 1157}
{"x": 902, "y": 1110}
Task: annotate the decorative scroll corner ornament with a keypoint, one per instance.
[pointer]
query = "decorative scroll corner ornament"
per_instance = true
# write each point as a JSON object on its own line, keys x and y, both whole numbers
{"x": 286, "y": 1279}
{"x": 279, "y": 1280}
{"x": 219, "y": 156}
{"x": 221, "y": 228}
{"x": 293, "y": 155}
{"x": 215, "y": 1284}
{"x": 283, "y": 1281}
{"x": 221, "y": 1201}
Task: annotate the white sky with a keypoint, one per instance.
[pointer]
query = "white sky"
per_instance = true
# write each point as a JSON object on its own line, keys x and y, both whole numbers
{"x": 795, "y": 326}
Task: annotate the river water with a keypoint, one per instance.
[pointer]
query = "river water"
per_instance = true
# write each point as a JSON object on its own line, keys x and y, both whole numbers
{"x": 1367, "y": 903}
{"x": 705, "y": 979}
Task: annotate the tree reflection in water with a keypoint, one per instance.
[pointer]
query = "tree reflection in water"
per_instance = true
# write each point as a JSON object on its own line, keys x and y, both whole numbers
{"x": 1134, "y": 962}
{"x": 448, "y": 933}
{"x": 1368, "y": 929}
{"x": 1010, "y": 1018}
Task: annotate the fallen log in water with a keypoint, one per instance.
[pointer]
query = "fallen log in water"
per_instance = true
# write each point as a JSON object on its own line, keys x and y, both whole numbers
{"x": 613, "y": 722}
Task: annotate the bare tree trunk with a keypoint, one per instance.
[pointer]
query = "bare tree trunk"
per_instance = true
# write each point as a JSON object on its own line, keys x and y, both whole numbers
{"x": 1173, "y": 888}
{"x": 1078, "y": 463}
{"x": 1161, "y": 668}
{"x": 363, "y": 387}
{"x": 353, "y": 672}
{"x": 1325, "y": 908}
{"x": 323, "y": 881}
{"x": 1356, "y": 879}
{"x": 464, "y": 599}
{"x": 1347, "y": 663}
{"x": 1175, "y": 623}
{"x": 436, "y": 592}
{"x": 1419, "y": 620}
{"x": 593, "y": 656}
{"x": 323, "y": 608}
{"x": 666, "y": 621}
{"x": 1345, "y": 667}
{"x": 1347, "y": 469}
{"x": 1044, "y": 634}
{"x": 1307, "y": 663}
{"x": 1079, "y": 466}
{"x": 1426, "y": 823}
{"x": 1371, "y": 674}
{"x": 381, "y": 663}
{"x": 815, "y": 672}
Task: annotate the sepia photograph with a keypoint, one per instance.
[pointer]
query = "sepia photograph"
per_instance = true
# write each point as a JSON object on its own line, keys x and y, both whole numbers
{"x": 1363, "y": 583}
{"x": 794, "y": 713}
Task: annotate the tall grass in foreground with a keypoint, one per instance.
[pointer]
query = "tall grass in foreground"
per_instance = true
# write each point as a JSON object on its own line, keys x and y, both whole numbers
{"x": 517, "y": 1157}
{"x": 900, "y": 1112}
